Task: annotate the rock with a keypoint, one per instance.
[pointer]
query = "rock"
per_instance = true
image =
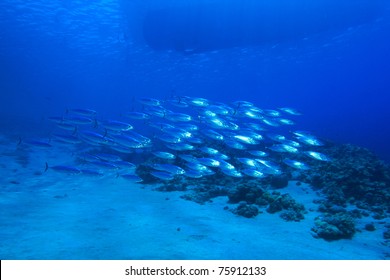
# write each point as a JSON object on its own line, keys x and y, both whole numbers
{"x": 245, "y": 210}
{"x": 334, "y": 227}
{"x": 247, "y": 193}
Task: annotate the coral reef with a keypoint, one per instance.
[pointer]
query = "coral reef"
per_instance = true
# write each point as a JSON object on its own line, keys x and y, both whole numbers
{"x": 292, "y": 211}
{"x": 352, "y": 185}
{"x": 334, "y": 227}
{"x": 355, "y": 176}
{"x": 272, "y": 201}
{"x": 246, "y": 210}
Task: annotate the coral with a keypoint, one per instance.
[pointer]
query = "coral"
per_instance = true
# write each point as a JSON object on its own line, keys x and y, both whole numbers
{"x": 334, "y": 227}
{"x": 293, "y": 211}
{"x": 204, "y": 193}
{"x": 248, "y": 193}
{"x": 291, "y": 215}
{"x": 245, "y": 210}
{"x": 354, "y": 175}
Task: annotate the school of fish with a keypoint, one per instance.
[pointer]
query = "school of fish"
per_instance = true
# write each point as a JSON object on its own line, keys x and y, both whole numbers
{"x": 184, "y": 136}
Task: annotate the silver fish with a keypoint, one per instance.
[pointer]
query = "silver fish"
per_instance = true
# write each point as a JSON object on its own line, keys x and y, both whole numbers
{"x": 164, "y": 155}
{"x": 253, "y": 173}
{"x": 132, "y": 177}
{"x": 317, "y": 155}
{"x": 296, "y": 164}
{"x": 162, "y": 175}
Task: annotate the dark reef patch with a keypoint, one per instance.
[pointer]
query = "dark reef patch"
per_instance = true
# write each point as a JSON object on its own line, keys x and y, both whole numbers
{"x": 334, "y": 227}
{"x": 353, "y": 176}
{"x": 353, "y": 185}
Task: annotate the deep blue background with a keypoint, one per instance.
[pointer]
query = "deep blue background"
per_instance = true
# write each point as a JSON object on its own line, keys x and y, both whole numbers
{"x": 60, "y": 54}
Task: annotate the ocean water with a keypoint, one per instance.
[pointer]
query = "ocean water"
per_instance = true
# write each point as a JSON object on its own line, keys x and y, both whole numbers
{"x": 80, "y": 184}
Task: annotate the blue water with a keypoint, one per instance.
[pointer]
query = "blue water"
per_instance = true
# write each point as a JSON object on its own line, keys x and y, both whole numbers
{"x": 330, "y": 61}
{"x": 57, "y": 54}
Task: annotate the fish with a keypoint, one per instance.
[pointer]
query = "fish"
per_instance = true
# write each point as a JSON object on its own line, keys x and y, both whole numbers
{"x": 178, "y": 117}
{"x": 137, "y": 115}
{"x": 78, "y": 120}
{"x": 283, "y": 148}
{"x": 188, "y": 158}
{"x": 67, "y": 126}
{"x": 108, "y": 157}
{"x": 245, "y": 139}
{"x": 197, "y": 167}
{"x": 66, "y": 139}
{"x": 208, "y": 150}
{"x": 290, "y": 111}
{"x": 122, "y": 164}
{"x": 192, "y": 173}
{"x": 180, "y": 147}
{"x": 271, "y": 113}
{"x": 164, "y": 155}
{"x": 170, "y": 168}
{"x": 309, "y": 140}
{"x": 232, "y": 172}
{"x": 248, "y": 161}
{"x": 258, "y": 153}
{"x": 317, "y": 155}
{"x": 186, "y": 136}
{"x": 82, "y": 112}
{"x": 149, "y": 101}
{"x": 132, "y": 177}
{"x": 169, "y": 138}
{"x": 285, "y": 121}
{"x": 296, "y": 164}
{"x": 197, "y": 101}
{"x": 269, "y": 167}
{"x": 210, "y": 162}
{"x": 93, "y": 137}
{"x": 127, "y": 141}
{"x": 234, "y": 144}
{"x": 178, "y": 102}
{"x": 116, "y": 125}
{"x": 276, "y": 137}
{"x": 162, "y": 175}
{"x": 213, "y": 134}
{"x": 254, "y": 126}
{"x": 253, "y": 173}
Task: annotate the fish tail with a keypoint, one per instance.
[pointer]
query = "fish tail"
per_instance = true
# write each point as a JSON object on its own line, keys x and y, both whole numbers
{"x": 20, "y": 141}
{"x": 46, "y": 166}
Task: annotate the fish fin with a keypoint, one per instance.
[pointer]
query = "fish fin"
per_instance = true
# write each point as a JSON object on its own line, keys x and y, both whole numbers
{"x": 46, "y": 166}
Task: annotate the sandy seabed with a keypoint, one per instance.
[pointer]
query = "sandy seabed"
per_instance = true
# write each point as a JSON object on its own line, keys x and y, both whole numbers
{"x": 48, "y": 215}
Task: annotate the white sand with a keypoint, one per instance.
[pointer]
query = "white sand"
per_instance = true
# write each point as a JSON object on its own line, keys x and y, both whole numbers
{"x": 112, "y": 219}
{"x": 47, "y": 217}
